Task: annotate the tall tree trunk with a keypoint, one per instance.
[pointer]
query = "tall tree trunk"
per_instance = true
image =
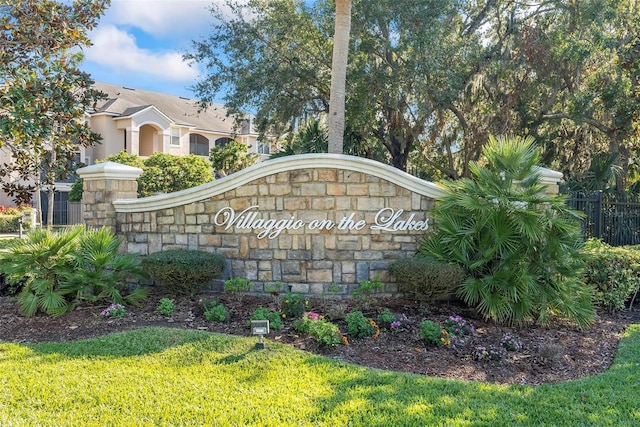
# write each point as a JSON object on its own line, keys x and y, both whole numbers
{"x": 339, "y": 76}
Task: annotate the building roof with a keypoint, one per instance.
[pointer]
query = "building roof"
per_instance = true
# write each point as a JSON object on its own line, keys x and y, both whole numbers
{"x": 125, "y": 101}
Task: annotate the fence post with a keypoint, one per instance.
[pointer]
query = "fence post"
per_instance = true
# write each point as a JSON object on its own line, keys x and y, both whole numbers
{"x": 597, "y": 218}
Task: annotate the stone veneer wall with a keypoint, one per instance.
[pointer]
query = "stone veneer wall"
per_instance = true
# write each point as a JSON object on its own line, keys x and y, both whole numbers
{"x": 349, "y": 192}
{"x": 310, "y": 189}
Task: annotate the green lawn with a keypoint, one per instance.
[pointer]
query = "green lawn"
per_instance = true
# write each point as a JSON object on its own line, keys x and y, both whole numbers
{"x": 172, "y": 377}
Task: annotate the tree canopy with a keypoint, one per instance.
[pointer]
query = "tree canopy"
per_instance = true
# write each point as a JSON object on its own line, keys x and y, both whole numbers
{"x": 432, "y": 79}
{"x": 43, "y": 93}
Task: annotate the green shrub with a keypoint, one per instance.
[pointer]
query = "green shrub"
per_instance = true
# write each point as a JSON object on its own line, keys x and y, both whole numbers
{"x": 274, "y": 317}
{"x": 386, "y": 318}
{"x": 10, "y": 287}
{"x": 426, "y": 278}
{"x": 323, "y": 331}
{"x": 161, "y": 173}
{"x": 5, "y": 243}
{"x": 216, "y": 312}
{"x": 75, "y": 194}
{"x": 231, "y": 157}
{"x": 366, "y": 290}
{"x": 432, "y": 332}
{"x": 358, "y": 326}
{"x": 10, "y": 218}
{"x": 520, "y": 246}
{"x": 293, "y": 305}
{"x": 166, "y": 307}
{"x": 166, "y": 173}
{"x": 183, "y": 271}
{"x": 237, "y": 286}
{"x": 9, "y": 223}
{"x": 62, "y": 270}
{"x": 614, "y": 273}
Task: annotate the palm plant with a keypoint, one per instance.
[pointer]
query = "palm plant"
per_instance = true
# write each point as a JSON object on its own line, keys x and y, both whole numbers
{"x": 62, "y": 270}
{"x": 102, "y": 273}
{"x": 312, "y": 138}
{"x": 43, "y": 260}
{"x": 521, "y": 247}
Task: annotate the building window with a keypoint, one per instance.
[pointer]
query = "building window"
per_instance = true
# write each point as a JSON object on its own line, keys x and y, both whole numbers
{"x": 221, "y": 142}
{"x": 198, "y": 145}
{"x": 175, "y": 136}
{"x": 264, "y": 147}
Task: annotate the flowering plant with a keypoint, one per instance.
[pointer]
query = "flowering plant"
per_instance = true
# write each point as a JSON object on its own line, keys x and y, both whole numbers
{"x": 458, "y": 326}
{"x": 376, "y": 334}
{"x": 400, "y": 324}
{"x": 434, "y": 333}
{"x": 510, "y": 342}
{"x": 314, "y": 316}
{"x": 325, "y": 332}
{"x": 114, "y": 311}
{"x": 484, "y": 353}
{"x": 359, "y": 326}
{"x": 293, "y": 305}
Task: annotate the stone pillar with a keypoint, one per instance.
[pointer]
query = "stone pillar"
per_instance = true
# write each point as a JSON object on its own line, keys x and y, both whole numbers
{"x": 551, "y": 179}
{"x": 104, "y": 183}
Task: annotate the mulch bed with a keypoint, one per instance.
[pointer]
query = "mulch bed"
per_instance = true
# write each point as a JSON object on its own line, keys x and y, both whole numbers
{"x": 551, "y": 354}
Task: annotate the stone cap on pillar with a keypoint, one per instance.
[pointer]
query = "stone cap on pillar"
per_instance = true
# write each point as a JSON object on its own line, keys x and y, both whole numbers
{"x": 109, "y": 170}
{"x": 549, "y": 176}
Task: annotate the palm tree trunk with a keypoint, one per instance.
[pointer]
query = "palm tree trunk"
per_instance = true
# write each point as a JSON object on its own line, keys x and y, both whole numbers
{"x": 339, "y": 76}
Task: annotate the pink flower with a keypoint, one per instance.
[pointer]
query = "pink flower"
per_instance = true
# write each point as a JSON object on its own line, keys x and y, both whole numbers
{"x": 314, "y": 316}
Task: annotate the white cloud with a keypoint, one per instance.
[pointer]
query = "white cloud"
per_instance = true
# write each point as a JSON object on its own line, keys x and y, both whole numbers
{"x": 140, "y": 43}
{"x": 162, "y": 18}
{"x": 117, "y": 50}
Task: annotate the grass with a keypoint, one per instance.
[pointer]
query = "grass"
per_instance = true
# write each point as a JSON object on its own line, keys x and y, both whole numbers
{"x": 172, "y": 377}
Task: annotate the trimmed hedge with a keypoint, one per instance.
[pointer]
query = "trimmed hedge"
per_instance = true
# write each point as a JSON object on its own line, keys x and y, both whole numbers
{"x": 614, "y": 273}
{"x": 183, "y": 271}
{"x": 9, "y": 222}
{"x": 426, "y": 278}
{"x": 10, "y": 218}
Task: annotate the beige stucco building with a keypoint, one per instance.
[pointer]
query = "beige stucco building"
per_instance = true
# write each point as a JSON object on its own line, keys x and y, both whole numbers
{"x": 143, "y": 122}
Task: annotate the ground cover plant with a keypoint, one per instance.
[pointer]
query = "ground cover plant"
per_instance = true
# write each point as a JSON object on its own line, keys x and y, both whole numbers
{"x": 548, "y": 354}
{"x": 166, "y": 307}
{"x": 165, "y": 376}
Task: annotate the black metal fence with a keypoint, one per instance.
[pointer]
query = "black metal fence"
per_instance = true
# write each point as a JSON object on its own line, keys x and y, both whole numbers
{"x": 64, "y": 211}
{"x": 613, "y": 218}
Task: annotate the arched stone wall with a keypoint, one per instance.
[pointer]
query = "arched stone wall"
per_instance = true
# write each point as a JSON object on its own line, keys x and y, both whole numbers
{"x": 309, "y": 221}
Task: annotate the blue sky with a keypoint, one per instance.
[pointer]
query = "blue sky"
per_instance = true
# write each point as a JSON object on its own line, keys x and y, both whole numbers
{"x": 139, "y": 43}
